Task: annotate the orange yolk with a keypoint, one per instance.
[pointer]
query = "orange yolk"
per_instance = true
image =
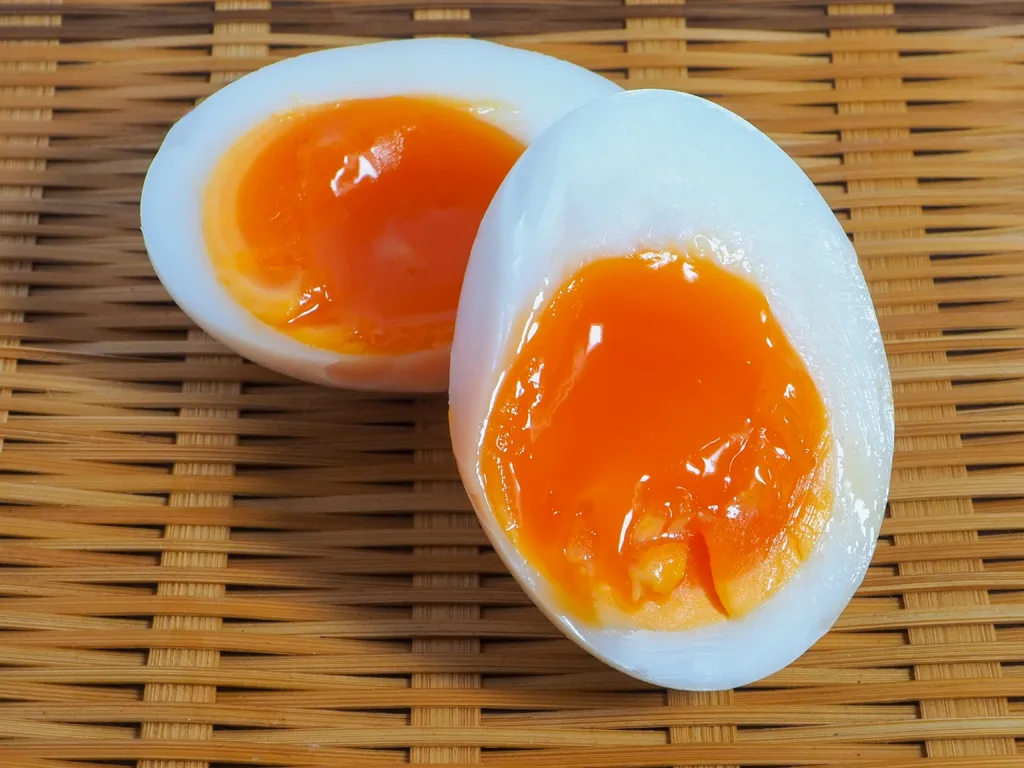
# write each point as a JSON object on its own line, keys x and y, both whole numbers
{"x": 348, "y": 225}
{"x": 657, "y": 448}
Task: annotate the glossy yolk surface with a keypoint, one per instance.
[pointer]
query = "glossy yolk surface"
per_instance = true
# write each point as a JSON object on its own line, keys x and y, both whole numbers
{"x": 349, "y": 225}
{"x": 657, "y": 447}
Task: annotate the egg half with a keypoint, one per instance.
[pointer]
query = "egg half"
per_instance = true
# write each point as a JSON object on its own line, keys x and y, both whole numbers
{"x": 316, "y": 215}
{"x": 670, "y": 402}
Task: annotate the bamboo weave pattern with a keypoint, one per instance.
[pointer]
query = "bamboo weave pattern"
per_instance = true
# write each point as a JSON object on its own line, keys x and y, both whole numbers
{"x": 204, "y": 565}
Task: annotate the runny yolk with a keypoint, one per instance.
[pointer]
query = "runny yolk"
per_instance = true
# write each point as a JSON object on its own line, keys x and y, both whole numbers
{"x": 657, "y": 448}
{"x": 348, "y": 225}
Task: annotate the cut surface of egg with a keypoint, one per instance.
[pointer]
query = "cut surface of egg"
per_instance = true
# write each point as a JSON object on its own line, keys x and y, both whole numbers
{"x": 316, "y": 215}
{"x": 670, "y": 402}
{"x": 657, "y": 447}
{"x": 348, "y": 226}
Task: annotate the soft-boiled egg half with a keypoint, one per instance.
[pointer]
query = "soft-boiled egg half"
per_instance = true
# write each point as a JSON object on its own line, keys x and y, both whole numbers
{"x": 316, "y": 215}
{"x": 670, "y": 402}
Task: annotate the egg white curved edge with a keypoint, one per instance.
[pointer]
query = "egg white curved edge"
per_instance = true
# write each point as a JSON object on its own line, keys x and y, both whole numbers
{"x": 657, "y": 169}
{"x": 520, "y": 91}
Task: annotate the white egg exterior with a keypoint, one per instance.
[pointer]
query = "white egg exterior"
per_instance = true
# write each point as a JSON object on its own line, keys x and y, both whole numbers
{"x": 660, "y": 170}
{"x": 520, "y": 91}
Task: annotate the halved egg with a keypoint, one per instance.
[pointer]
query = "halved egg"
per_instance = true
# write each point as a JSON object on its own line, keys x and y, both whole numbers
{"x": 670, "y": 402}
{"x": 317, "y": 215}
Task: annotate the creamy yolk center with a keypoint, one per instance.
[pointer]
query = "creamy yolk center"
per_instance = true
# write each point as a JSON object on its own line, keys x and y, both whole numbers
{"x": 657, "y": 448}
{"x": 348, "y": 225}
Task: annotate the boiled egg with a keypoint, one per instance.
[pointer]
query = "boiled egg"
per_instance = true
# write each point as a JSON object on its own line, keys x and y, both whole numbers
{"x": 316, "y": 215}
{"x": 670, "y": 402}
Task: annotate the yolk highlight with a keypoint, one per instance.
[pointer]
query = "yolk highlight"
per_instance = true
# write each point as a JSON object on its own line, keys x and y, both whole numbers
{"x": 657, "y": 448}
{"x": 348, "y": 225}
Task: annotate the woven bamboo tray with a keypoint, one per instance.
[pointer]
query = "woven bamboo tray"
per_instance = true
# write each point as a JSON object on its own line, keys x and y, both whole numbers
{"x": 205, "y": 564}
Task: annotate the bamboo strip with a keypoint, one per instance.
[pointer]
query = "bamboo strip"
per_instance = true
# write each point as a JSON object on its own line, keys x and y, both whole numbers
{"x": 173, "y": 657}
{"x": 939, "y": 602}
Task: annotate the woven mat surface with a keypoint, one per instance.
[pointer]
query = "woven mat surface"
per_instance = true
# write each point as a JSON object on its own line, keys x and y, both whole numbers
{"x": 205, "y": 564}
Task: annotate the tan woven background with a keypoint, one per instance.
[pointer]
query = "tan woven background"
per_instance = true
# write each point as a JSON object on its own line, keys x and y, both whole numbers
{"x": 203, "y": 564}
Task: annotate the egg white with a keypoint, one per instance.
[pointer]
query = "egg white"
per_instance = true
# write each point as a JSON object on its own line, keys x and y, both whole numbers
{"x": 663, "y": 170}
{"x": 519, "y": 91}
